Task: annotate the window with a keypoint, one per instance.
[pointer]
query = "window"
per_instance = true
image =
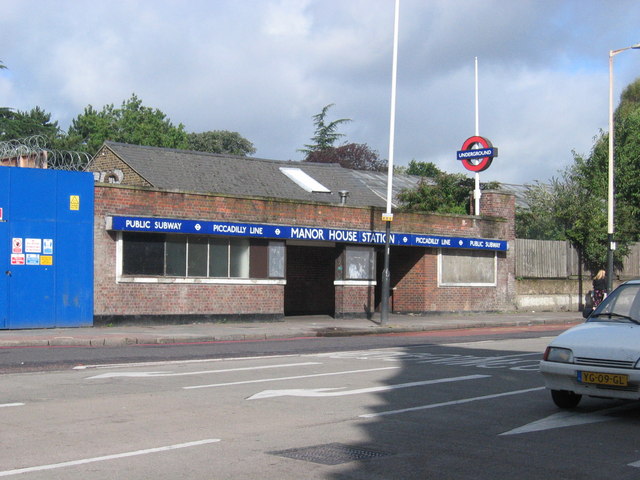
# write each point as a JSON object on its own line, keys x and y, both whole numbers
{"x": 184, "y": 255}
{"x": 238, "y": 258}
{"x": 143, "y": 254}
{"x": 276, "y": 259}
{"x": 467, "y": 268}
{"x": 359, "y": 263}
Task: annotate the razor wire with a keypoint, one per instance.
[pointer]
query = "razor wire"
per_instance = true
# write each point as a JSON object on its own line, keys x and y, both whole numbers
{"x": 35, "y": 149}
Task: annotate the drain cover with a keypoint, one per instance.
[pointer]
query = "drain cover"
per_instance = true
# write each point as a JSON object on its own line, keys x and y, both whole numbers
{"x": 331, "y": 453}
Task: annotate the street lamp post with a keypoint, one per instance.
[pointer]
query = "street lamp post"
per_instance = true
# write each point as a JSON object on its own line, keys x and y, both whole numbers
{"x": 610, "y": 198}
{"x": 387, "y": 217}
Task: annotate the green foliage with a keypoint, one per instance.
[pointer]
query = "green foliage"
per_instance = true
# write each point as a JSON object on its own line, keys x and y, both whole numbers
{"x": 16, "y": 124}
{"x": 423, "y": 169}
{"x": 447, "y": 193}
{"x": 326, "y": 134}
{"x": 131, "y": 123}
{"x": 221, "y": 141}
{"x": 357, "y": 156}
{"x": 574, "y": 207}
{"x": 629, "y": 101}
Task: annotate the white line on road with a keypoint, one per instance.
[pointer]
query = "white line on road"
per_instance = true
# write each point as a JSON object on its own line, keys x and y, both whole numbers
{"x": 11, "y": 405}
{"x": 446, "y": 404}
{"x": 176, "y": 362}
{"x": 200, "y": 372}
{"x": 571, "y": 418}
{"x": 325, "y": 392}
{"x": 116, "y": 456}
{"x": 262, "y": 380}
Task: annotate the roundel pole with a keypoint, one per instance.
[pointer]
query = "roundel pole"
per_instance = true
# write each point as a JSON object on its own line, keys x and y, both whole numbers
{"x": 477, "y": 152}
{"x": 476, "y": 192}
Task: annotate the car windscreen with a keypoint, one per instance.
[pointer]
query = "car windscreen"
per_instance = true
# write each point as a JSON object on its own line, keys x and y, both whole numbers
{"x": 623, "y": 304}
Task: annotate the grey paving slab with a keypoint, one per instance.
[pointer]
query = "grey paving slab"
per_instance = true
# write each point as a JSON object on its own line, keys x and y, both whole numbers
{"x": 291, "y": 327}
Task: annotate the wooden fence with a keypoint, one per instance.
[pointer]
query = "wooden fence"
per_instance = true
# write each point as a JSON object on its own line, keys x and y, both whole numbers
{"x": 558, "y": 259}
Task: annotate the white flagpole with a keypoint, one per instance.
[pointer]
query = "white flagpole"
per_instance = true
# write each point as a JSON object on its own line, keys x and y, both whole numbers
{"x": 388, "y": 216}
{"x": 477, "y": 193}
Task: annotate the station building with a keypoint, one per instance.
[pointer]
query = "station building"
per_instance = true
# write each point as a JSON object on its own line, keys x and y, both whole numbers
{"x": 183, "y": 236}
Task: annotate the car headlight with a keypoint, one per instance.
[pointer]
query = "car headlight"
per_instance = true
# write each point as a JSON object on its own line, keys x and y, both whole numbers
{"x": 558, "y": 354}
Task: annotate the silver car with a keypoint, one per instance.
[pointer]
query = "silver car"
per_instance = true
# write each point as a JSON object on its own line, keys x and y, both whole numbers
{"x": 601, "y": 357}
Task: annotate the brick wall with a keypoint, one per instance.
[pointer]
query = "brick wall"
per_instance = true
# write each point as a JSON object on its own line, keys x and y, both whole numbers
{"x": 413, "y": 269}
{"x": 353, "y": 300}
{"x": 107, "y": 167}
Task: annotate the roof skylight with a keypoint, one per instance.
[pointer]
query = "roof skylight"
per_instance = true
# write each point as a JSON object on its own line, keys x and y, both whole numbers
{"x": 304, "y": 181}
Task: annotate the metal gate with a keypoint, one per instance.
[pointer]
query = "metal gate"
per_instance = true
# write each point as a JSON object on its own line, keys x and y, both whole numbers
{"x": 46, "y": 248}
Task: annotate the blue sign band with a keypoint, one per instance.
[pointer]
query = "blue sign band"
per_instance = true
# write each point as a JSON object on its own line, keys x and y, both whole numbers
{"x": 477, "y": 153}
{"x": 283, "y": 232}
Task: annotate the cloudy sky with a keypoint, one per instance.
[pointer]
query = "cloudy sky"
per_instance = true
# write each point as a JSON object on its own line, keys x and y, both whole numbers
{"x": 263, "y": 68}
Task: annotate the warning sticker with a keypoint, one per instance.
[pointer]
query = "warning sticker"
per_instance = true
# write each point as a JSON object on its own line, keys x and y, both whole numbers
{"x": 33, "y": 245}
{"x": 16, "y": 245}
{"x": 74, "y": 202}
{"x": 17, "y": 259}
{"x": 46, "y": 260}
{"x": 47, "y": 246}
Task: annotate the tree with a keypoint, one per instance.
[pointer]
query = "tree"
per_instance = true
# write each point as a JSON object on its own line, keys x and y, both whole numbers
{"x": 357, "y": 156}
{"x": 423, "y": 169}
{"x": 575, "y": 207}
{"x": 564, "y": 209}
{"x": 221, "y": 141}
{"x": 17, "y": 124}
{"x": 326, "y": 134}
{"x": 442, "y": 192}
{"x": 3, "y": 109}
{"x": 131, "y": 123}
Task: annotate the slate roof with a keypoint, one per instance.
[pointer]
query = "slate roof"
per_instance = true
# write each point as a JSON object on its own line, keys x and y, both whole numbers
{"x": 200, "y": 172}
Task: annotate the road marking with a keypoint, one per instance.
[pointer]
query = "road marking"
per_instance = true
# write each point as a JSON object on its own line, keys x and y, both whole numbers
{"x": 11, "y": 405}
{"x": 447, "y": 404}
{"x": 175, "y": 362}
{"x": 262, "y": 380}
{"x": 201, "y": 372}
{"x": 518, "y": 361}
{"x": 116, "y": 456}
{"x": 569, "y": 419}
{"x": 326, "y": 392}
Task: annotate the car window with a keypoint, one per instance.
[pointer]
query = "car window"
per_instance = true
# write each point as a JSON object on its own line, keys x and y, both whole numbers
{"x": 624, "y": 301}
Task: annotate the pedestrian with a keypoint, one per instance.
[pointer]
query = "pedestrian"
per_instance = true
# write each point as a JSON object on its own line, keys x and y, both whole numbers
{"x": 599, "y": 287}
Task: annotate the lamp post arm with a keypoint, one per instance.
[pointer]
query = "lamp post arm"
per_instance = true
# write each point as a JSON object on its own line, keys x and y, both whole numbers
{"x": 610, "y": 189}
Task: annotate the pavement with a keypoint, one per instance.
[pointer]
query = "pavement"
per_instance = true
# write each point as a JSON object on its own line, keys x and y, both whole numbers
{"x": 290, "y": 327}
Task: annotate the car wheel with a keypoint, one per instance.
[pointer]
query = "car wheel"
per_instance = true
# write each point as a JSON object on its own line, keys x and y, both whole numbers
{"x": 565, "y": 399}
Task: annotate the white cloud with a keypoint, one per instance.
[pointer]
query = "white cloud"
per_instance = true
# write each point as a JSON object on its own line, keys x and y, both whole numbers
{"x": 264, "y": 67}
{"x": 287, "y": 18}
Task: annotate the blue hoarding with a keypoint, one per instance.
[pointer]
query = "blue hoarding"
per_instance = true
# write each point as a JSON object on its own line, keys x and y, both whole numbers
{"x": 46, "y": 253}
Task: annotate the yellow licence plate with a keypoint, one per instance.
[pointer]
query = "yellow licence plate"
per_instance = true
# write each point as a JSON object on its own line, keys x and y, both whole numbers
{"x": 598, "y": 378}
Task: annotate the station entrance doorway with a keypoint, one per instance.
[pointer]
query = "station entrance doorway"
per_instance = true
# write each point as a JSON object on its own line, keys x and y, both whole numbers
{"x": 310, "y": 275}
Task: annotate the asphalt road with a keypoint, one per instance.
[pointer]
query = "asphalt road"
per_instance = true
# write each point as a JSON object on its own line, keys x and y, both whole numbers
{"x": 403, "y": 408}
{"x": 40, "y": 358}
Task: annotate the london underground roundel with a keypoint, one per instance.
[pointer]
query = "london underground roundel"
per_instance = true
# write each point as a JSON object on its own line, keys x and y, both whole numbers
{"x": 477, "y": 153}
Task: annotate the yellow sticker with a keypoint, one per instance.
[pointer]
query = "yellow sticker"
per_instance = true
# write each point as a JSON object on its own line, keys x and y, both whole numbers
{"x": 74, "y": 202}
{"x": 46, "y": 260}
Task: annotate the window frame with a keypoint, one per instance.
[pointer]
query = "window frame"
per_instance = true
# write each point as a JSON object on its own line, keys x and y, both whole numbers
{"x": 442, "y": 254}
{"x": 164, "y": 278}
